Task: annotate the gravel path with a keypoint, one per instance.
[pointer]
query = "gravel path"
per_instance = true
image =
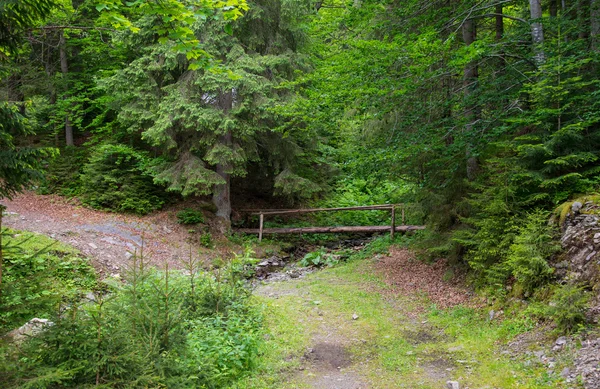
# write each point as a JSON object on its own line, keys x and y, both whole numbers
{"x": 108, "y": 239}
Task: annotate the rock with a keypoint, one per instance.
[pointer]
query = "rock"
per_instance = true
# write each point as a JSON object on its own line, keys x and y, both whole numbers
{"x": 492, "y": 314}
{"x": 355, "y": 317}
{"x": 561, "y": 341}
{"x": 92, "y": 246}
{"x": 263, "y": 264}
{"x": 576, "y": 207}
{"x": 91, "y": 297}
{"x": 128, "y": 255}
{"x": 33, "y": 327}
{"x": 452, "y": 385}
{"x": 565, "y": 372}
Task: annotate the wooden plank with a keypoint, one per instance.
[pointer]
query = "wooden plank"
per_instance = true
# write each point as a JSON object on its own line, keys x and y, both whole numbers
{"x": 314, "y": 230}
{"x": 308, "y": 210}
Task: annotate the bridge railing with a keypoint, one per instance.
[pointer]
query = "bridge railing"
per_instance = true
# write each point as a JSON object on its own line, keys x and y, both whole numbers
{"x": 393, "y": 228}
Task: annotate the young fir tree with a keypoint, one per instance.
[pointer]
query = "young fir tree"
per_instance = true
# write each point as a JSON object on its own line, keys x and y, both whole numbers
{"x": 207, "y": 125}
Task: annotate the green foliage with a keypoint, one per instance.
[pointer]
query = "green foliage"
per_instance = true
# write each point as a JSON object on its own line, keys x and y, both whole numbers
{"x": 62, "y": 174}
{"x": 39, "y": 274}
{"x": 190, "y": 216}
{"x": 320, "y": 258}
{"x": 568, "y": 307}
{"x": 528, "y": 256}
{"x": 223, "y": 349}
{"x": 158, "y": 329}
{"x": 206, "y": 239}
{"x": 173, "y": 21}
{"x": 114, "y": 178}
{"x": 17, "y": 17}
{"x": 20, "y": 166}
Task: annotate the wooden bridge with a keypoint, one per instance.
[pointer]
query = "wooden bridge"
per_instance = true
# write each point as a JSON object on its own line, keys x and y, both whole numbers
{"x": 392, "y": 228}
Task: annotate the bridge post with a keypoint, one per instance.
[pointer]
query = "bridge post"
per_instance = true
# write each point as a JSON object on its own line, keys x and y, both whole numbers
{"x": 260, "y": 229}
{"x": 393, "y": 230}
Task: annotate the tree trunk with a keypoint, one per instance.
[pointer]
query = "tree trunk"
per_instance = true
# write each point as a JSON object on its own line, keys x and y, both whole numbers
{"x": 499, "y": 22}
{"x": 553, "y": 8}
{"x": 471, "y": 74}
{"x": 537, "y": 30}
{"x": 15, "y": 95}
{"x": 2, "y": 208}
{"x": 582, "y": 18}
{"x": 222, "y": 193}
{"x": 595, "y": 24}
{"x": 64, "y": 68}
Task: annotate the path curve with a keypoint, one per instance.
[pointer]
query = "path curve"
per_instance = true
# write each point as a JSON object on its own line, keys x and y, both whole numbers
{"x": 107, "y": 238}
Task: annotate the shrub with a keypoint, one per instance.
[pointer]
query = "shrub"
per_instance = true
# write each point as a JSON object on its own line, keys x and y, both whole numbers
{"x": 159, "y": 329}
{"x": 568, "y": 307}
{"x": 528, "y": 255}
{"x": 38, "y": 275}
{"x": 190, "y": 216}
{"x": 62, "y": 174}
{"x": 319, "y": 258}
{"x": 114, "y": 178}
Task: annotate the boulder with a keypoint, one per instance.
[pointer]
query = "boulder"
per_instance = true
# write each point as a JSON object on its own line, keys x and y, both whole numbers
{"x": 32, "y": 328}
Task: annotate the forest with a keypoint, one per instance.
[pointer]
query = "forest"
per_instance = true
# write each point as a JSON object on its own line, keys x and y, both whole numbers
{"x": 482, "y": 116}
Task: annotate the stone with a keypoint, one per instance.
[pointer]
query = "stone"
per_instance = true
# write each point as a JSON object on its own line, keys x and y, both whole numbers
{"x": 128, "y": 255}
{"x": 452, "y": 385}
{"x": 92, "y": 246}
{"x": 565, "y": 372}
{"x": 561, "y": 341}
{"x": 33, "y": 327}
{"x": 492, "y": 314}
{"x": 355, "y": 317}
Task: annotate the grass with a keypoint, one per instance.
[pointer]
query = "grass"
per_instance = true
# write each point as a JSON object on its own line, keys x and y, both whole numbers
{"x": 400, "y": 341}
{"x": 39, "y": 274}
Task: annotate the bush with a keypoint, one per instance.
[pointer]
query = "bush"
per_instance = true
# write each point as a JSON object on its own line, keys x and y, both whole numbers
{"x": 160, "y": 329}
{"x": 62, "y": 174}
{"x": 528, "y": 255}
{"x": 319, "y": 258}
{"x": 114, "y": 178}
{"x": 190, "y": 216}
{"x": 568, "y": 307}
{"x": 38, "y": 275}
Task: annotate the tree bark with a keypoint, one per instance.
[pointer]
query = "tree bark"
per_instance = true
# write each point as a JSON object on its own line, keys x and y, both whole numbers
{"x": 499, "y": 22}
{"x": 222, "y": 193}
{"x": 553, "y": 8}
{"x": 64, "y": 68}
{"x": 537, "y": 30}
{"x": 471, "y": 74}
{"x": 15, "y": 95}
{"x": 583, "y": 11}
{"x": 595, "y": 24}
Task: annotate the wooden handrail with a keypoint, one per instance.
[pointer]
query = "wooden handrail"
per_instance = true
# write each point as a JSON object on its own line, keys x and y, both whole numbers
{"x": 309, "y": 210}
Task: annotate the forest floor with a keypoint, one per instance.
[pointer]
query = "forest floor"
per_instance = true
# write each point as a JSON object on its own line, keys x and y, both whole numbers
{"x": 108, "y": 238}
{"x": 387, "y": 321}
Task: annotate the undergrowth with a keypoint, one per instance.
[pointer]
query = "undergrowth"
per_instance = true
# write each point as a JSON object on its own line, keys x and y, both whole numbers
{"x": 152, "y": 329}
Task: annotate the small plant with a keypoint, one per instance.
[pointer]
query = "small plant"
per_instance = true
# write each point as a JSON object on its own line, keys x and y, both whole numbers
{"x": 320, "y": 258}
{"x": 568, "y": 307}
{"x": 190, "y": 216}
{"x": 206, "y": 240}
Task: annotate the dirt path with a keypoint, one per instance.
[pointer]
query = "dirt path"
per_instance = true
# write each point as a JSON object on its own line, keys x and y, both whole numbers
{"x": 327, "y": 362}
{"x": 362, "y": 325}
{"x": 107, "y": 238}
